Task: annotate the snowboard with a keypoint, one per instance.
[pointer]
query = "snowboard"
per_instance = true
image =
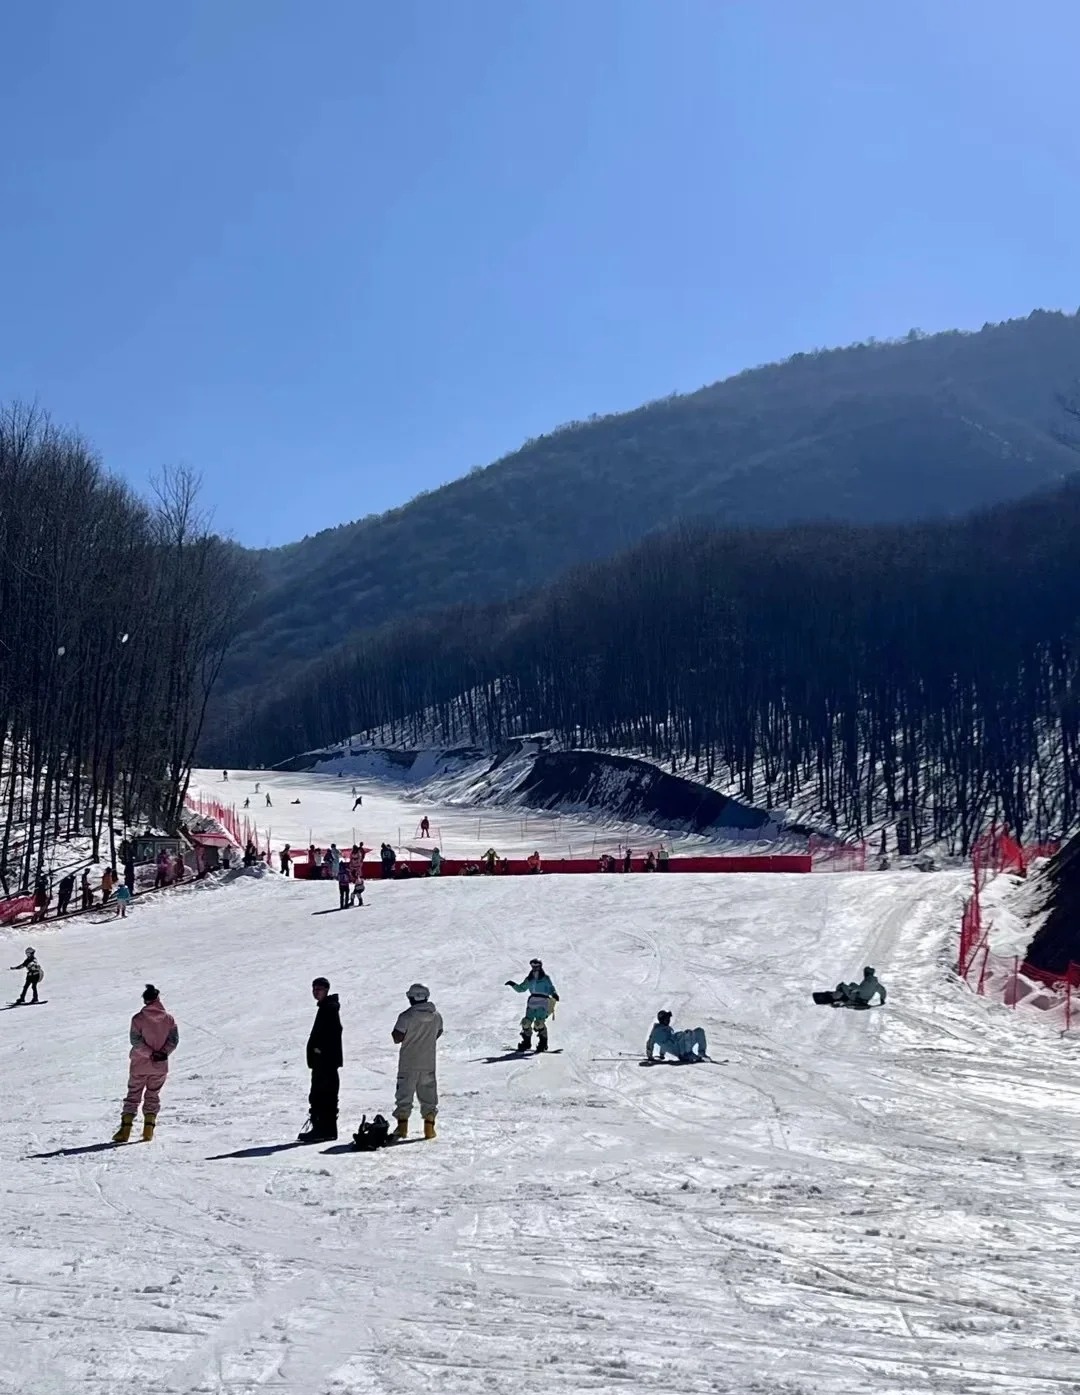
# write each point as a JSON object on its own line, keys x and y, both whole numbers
{"x": 40, "y": 1003}
{"x": 671, "y": 1061}
{"x": 522, "y": 1055}
{"x": 828, "y": 999}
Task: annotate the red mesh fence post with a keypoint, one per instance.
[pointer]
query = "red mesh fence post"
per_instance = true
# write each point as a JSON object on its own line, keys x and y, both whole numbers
{"x": 982, "y": 973}
{"x": 1016, "y": 978}
{"x": 1068, "y": 1004}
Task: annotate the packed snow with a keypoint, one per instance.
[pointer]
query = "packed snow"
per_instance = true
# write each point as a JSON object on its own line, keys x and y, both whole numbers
{"x": 843, "y": 1202}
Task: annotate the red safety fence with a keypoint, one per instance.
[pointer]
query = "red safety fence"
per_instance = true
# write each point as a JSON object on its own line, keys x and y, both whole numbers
{"x": 18, "y": 905}
{"x": 453, "y": 867}
{"x": 830, "y": 855}
{"x": 1012, "y": 979}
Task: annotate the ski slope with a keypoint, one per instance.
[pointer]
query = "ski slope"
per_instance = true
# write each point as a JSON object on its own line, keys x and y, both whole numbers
{"x": 881, "y": 1202}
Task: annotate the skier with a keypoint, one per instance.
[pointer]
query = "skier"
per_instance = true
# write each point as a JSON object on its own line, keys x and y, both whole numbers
{"x": 344, "y": 882}
{"x": 324, "y": 1060}
{"x": 538, "y": 1009}
{"x": 416, "y": 1031}
{"x": 256, "y": 787}
{"x": 285, "y": 858}
{"x": 687, "y": 1045}
{"x": 247, "y": 802}
{"x": 268, "y": 803}
{"x": 64, "y": 893}
{"x": 123, "y": 900}
{"x": 425, "y": 827}
{"x": 859, "y": 995}
{"x": 154, "y": 1037}
{"x": 224, "y": 774}
{"x": 34, "y": 974}
{"x": 358, "y": 802}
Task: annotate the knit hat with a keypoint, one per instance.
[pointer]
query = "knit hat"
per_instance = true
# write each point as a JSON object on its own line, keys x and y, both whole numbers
{"x": 417, "y": 993}
{"x": 150, "y": 994}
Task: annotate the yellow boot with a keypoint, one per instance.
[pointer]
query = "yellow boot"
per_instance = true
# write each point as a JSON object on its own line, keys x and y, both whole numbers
{"x": 123, "y": 1133}
{"x": 429, "y": 1128}
{"x": 402, "y": 1130}
{"x": 148, "y": 1122}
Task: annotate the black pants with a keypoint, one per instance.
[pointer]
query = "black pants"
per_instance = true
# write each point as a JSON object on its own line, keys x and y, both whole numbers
{"x": 31, "y": 985}
{"x": 323, "y": 1099}
{"x": 62, "y": 902}
{"x": 344, "y": 892}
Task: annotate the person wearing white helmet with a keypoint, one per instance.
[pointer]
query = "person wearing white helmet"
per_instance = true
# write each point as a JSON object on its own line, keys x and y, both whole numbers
{"x": 416, "y": 1031}
{"x": 34, "y": 974}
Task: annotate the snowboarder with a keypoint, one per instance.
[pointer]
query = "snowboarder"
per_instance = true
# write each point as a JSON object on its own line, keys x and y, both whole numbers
{"x": 247, "y": 802}
{"x": 425, "y": 827}
{"x": 256, "y": 787}
{"x": 358, "y": 802}
{"x": 416, "y": 1031}
{"x": 224, "y": 774}
{"x": 123, "y": 900}
{"x": 269, "y": 805}
{"x": 538, "y": 1009}
{"x": 324, "y": 1058}
{"x": 294, "y": 801}
{"x": 34, "y": 974}
{"x": 154, "y": 1037}
{"x": 859, "y": 995}
{"x": 64, "y": 893}
{"x": 344, "y": 882}
{"x": 285, "y": 858}
{"x": 687, "y": 1045}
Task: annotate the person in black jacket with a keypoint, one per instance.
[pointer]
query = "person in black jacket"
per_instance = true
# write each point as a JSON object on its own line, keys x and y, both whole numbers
{"x": 324, "y": 1060}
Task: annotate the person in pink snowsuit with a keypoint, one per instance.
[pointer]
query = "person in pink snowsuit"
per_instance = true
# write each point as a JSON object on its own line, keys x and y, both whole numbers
{"x": 154, "y": 1037}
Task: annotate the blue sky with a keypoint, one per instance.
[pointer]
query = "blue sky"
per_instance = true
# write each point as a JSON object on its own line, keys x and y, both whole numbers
{"x": 333, "y": 254}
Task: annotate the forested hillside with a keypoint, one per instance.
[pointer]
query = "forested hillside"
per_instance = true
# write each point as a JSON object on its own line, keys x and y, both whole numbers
{"x": 930, "y": 667}
{"x": 115, "y": 617}
{"x": 927, "y": 427}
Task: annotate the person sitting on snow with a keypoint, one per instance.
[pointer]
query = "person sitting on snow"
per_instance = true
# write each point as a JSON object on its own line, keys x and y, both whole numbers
{"x": 687, "y": 1045}
{"x": 861, "y": 994}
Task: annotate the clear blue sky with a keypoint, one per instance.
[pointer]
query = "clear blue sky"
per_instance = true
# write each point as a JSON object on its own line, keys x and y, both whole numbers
{"x": 333, "y": 253}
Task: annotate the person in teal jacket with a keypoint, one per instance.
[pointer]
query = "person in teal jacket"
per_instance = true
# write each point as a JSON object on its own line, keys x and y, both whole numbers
{"x": 541, "y": 1004}
{"x": 687, "y": 1045}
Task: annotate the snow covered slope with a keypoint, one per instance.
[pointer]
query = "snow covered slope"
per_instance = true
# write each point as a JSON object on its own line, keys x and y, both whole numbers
{"x": 851, "y": 1202}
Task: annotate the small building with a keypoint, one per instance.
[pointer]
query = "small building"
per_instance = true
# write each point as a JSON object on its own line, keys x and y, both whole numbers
{"x": 149, "y": 847}
{"x": 209, "y": 851}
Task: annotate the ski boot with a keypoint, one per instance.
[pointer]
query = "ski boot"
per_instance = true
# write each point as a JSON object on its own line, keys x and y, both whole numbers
{"x": 123, "y": 1133}
{"x": 402, "y": 1130}
{"x": 148, "y": 1122}
{"x": 525, "y": 1044}
{"x": 429, "y": 1128}
{"x": 541, "y": 1041}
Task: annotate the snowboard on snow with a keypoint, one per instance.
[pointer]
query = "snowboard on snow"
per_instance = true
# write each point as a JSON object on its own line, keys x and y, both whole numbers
{"x": 522, "y": 1055}
{"x": 829, "y": 999}
{"x": 40, "y": 1003}
{"x": 674, "y": 1061}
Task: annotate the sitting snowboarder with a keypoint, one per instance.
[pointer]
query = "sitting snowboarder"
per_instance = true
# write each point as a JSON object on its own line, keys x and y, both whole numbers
{"x": 541, "y": 1004}
{"x": 855, "y": 995}
{"x": 686, "y": 1046}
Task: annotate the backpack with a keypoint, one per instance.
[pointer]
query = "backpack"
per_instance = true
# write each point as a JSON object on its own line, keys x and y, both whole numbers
{"x": 368, "y": 1137}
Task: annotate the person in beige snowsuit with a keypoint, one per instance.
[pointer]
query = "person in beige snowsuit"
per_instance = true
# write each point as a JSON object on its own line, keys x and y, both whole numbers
{"x": 416, "y": 1031}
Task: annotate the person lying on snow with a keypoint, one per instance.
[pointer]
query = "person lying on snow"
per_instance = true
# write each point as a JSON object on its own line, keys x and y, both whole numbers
{"x": 859, "y": 995}
{"x": 687, "y": 1045}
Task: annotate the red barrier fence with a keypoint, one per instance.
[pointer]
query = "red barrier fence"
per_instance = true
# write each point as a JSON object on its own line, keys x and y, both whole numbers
{"x": 452, "y": 867}
{"x": 828, "y": 855}
{"x": 1012, "y": 978}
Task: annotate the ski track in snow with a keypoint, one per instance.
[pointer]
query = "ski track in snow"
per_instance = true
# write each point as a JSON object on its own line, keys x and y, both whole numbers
{"x": 876, "y": 1202}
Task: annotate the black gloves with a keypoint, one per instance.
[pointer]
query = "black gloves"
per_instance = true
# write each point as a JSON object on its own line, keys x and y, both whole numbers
{"x": 159, "y": 1055}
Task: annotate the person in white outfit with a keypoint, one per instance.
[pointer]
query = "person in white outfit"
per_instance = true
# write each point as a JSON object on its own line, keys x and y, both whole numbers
{"x": 416, "y": 1031}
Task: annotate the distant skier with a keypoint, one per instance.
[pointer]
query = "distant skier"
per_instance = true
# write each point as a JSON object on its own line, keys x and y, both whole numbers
{"x": 256, "y": 787}
{"x": 64, "y": 893}
{"x": 358, "y": 802}
{"x": 344, "y": 882}
{"x": 324, "y": 1058}
{"x": 247, "y": 802}
{"x": 285, "y": 858}
{"x": 269, "y": 805}
{"x": 224, "y": 774}
{"x": 416, "y": 1031}
{"x": 34, "y": 974}
{"x": 542, "y": 998}
{"x": 154, "y": 1037}
{"x": 687, "y": 1045}
{"x": 425, "y": 827}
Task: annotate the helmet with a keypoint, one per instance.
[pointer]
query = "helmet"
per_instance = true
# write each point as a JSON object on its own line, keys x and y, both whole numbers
{"x": 664, "y": 1017}
{"x": 30, "y": 949}
{"x": 417, "y": 993}
{"x": 536, "y": 963}
{"x": 868, "y": 972}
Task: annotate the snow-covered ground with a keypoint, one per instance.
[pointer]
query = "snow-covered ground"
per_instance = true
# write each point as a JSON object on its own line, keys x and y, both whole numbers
{"x": 394, "y": 805}
{"x": 881, "y": 1202}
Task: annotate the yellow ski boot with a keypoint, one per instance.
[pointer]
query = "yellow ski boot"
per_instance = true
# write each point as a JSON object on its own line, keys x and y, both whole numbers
{"x": 123, "y": 1133}
{"x": 148, "y": 1122}
{"x": 402, "y": 1130}
{"x": 429, "y": 1128}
